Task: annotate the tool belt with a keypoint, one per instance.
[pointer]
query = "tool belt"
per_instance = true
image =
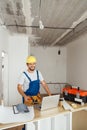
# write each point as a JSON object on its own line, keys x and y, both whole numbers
{"x": 34, "y": 100}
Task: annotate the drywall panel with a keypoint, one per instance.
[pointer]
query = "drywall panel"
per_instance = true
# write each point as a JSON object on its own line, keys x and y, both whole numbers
{"x": 77, "y": 62}
{"x": 3, "y": 47}
{"x": 18, "y": 51}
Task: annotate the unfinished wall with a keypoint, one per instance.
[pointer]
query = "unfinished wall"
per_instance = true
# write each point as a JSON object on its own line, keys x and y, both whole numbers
{"x": 77, "y": 62}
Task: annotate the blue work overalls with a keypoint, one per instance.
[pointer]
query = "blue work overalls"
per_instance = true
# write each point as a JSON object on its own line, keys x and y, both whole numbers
{"x": 34, "y": 86}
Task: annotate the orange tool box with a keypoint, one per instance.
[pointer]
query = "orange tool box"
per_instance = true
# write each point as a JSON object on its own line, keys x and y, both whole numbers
{"x": 74, "y": 94}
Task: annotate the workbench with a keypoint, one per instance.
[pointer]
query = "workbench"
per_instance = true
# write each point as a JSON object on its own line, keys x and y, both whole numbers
{"x": 55, "y": 119}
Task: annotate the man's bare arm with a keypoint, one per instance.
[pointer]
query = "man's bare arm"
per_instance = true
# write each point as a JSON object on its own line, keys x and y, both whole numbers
{"x": 26, "y": 98}
{"x": 45, "y": 86}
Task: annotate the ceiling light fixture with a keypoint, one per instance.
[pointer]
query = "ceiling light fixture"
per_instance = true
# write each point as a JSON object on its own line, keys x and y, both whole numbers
{"x": 41, "y": 26}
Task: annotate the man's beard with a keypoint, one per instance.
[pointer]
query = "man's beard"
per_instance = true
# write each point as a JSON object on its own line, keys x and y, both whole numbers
{"x": 32, "y": 69}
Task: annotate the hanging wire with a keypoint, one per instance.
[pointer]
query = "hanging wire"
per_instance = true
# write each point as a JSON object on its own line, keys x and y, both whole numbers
{"x": 40, "y": 10}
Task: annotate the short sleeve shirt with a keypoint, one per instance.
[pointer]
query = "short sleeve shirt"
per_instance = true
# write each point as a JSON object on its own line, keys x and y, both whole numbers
{"x": 24, "y": 81}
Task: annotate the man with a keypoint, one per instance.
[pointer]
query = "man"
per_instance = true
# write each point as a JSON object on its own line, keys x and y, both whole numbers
{"x": 29, "y": 82}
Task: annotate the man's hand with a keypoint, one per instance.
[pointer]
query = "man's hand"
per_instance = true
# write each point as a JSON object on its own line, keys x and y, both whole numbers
{"x": 27, "y": 98}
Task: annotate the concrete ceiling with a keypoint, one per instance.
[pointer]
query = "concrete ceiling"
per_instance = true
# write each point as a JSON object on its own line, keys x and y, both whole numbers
{"x": 63, "y": 20}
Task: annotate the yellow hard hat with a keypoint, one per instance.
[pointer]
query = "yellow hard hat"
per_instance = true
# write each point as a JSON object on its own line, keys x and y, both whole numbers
{"x": 31, "y": 59}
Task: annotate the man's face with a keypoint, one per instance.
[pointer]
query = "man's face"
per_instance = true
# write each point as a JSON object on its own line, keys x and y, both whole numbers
{"x": 31, "y": 66}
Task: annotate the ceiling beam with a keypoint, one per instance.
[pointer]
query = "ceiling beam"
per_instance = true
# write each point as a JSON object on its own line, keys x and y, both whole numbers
{"x": 74, "y": 25}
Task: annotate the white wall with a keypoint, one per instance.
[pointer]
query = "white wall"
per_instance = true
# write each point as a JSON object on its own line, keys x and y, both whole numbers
{"x": 18, "y": 51}
{"x": 3, "y": 47}
{"x": 51, "y": 65}
{"x": 77, "y": 62}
